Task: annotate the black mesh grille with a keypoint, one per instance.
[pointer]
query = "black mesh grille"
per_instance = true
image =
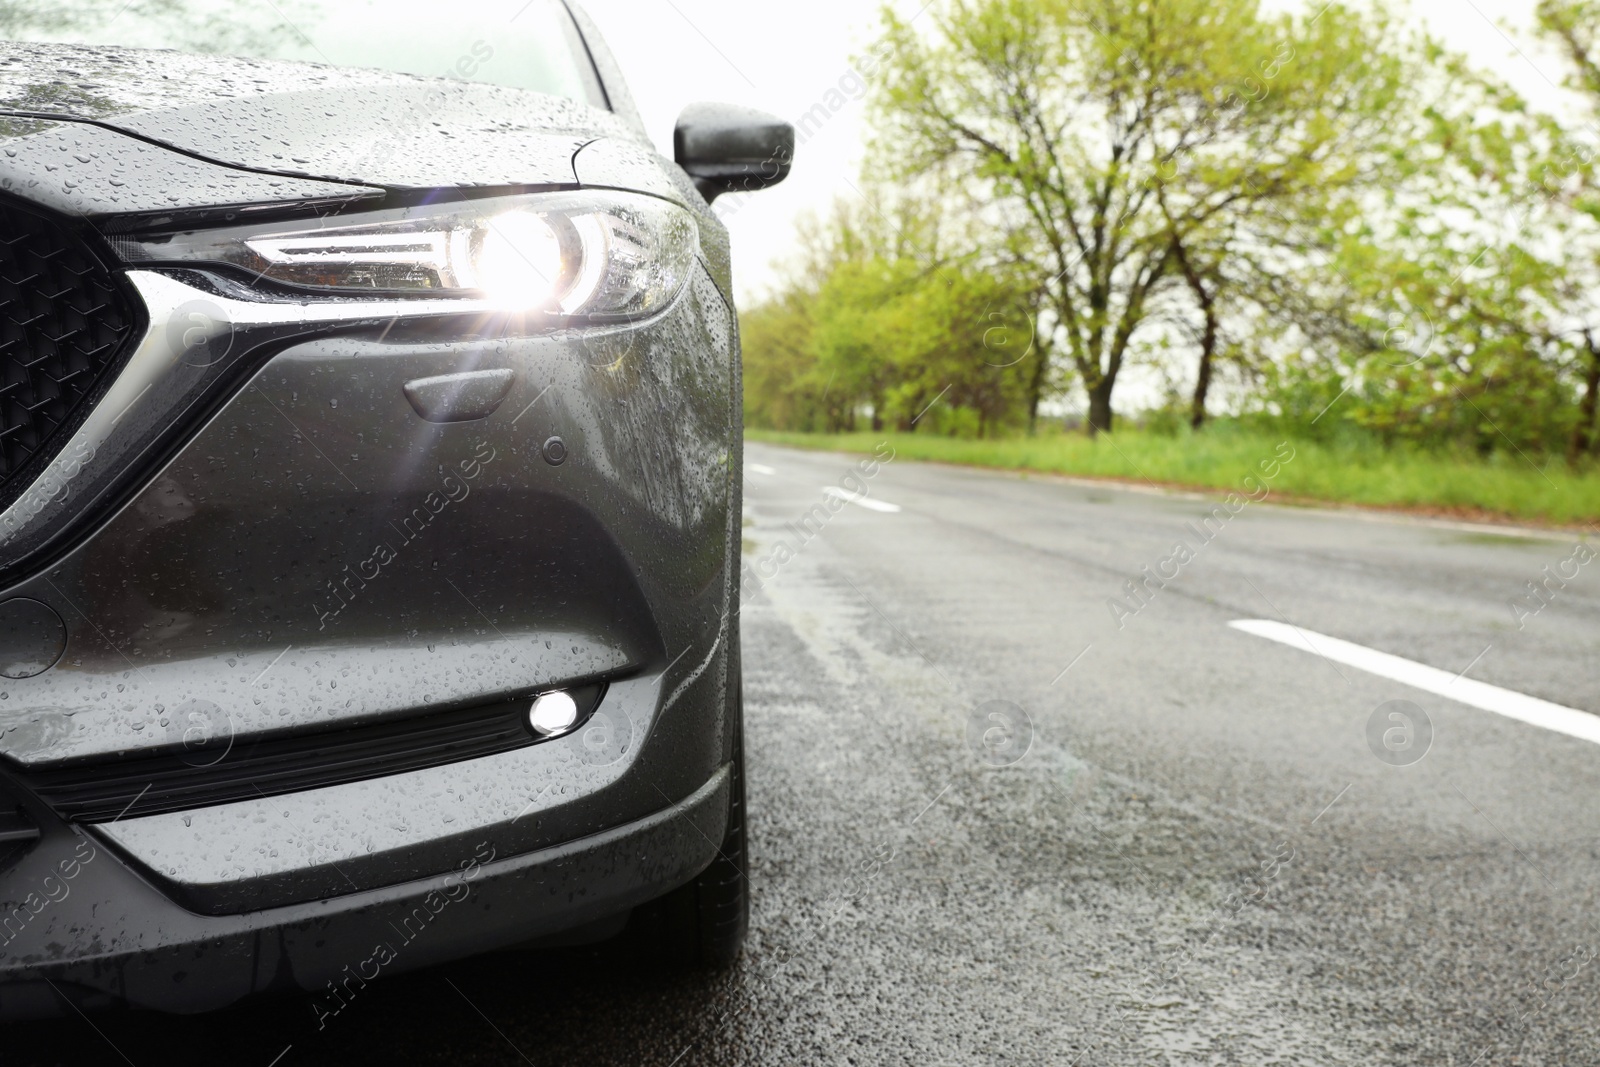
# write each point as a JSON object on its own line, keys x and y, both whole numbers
{"x": 63, "y": 323}
{"x": 102, "y": 790}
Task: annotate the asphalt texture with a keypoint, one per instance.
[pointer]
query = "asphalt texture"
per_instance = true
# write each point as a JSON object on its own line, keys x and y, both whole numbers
{"x": 997, "y": 820}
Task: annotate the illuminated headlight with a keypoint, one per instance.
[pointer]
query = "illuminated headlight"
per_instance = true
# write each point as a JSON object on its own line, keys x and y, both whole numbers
{"x": 594, "y": 255}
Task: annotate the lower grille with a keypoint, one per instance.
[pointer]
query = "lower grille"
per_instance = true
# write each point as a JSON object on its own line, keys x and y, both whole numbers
{"x": 101, "y": 790}
{"x": 64, "y": 321}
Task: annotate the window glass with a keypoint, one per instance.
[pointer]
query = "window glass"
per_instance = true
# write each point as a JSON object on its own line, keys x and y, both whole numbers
{"x": 524, "y": 44}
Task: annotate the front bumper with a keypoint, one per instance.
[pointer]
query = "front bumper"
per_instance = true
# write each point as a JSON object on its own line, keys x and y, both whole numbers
{"x": 112, "y": 938}
{"x": 212, "y": 546}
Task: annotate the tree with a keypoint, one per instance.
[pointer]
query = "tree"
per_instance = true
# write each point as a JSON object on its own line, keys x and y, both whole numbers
{"x": 1321, "y": 108}
{"x": 945, "y": 327}
{"x": 874, "y": 316}
{"x": 1574, "y": 25}
{"x": 1445, "y": 317}
{"x": 1469, "y": 287}
{"x": 1122, "y": 140}
{"x": 778, "y": 366}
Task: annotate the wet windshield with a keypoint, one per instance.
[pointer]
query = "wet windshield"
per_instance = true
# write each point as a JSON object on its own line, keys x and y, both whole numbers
{"x": 515, "y": 43}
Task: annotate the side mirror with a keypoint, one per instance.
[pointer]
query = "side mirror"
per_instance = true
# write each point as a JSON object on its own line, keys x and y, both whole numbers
{"x": 726, "y": 148}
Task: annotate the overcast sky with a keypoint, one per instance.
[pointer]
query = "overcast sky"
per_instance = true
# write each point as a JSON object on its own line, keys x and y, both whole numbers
{"x": 785, "y": 58}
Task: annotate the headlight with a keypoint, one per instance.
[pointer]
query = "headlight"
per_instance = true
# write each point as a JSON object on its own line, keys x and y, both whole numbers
{"x": 599, "y": 255}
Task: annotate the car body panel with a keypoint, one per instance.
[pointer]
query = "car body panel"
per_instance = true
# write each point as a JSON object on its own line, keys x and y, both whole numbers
{"x": 460, "y": 540}
{"x": 81, "y": 169}
{"x": 323, "y": 843}
{"x": 300, "y": 120}
{"x": 94, "y": 931}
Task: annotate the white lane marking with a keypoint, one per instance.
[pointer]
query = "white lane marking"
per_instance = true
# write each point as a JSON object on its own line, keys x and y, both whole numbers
{"x": 760, "y": 468}
{"x": 860, "y": 500}
{"x": 1512, "y": 705}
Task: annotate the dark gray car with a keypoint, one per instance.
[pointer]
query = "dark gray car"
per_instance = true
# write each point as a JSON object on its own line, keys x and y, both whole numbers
{"x": 369, "y": 502}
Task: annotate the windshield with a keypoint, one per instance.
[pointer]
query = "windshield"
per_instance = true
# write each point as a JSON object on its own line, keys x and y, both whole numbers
{"x": 523, "y": 44}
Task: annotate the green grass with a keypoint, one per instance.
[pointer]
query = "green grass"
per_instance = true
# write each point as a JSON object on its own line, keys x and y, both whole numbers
{"x": 1223, "y": 456}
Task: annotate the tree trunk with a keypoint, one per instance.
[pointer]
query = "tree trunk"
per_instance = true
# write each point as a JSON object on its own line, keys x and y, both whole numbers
{"x": 1582, "y": 435}
{"x": 1208, "y": 338}
{"x": 1100, "y": 407}
{"x": 909, "y": 419}
{"x": 1036, "y": 383}
{"x": 1202, "y": 382}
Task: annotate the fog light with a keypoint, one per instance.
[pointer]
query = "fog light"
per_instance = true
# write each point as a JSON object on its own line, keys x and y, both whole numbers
{"x": 553, "y": 714}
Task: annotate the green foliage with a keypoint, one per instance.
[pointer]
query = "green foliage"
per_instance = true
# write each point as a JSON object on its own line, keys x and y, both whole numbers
{"x": 778, "y": 367}
{"x": 867, "y": 326}
{"x": 1575, "y": 26}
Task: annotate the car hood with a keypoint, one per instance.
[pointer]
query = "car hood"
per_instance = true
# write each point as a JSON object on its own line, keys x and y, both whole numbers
{"x": 308, "y": 121}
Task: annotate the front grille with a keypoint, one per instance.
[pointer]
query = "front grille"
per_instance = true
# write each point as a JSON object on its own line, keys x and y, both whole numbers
{"x": 105, "y": 790}
{"x": 64, "y": 321}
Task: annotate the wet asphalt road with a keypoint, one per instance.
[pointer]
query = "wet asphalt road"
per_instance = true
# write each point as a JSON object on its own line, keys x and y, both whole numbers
{"x": 1188, "y": 853}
